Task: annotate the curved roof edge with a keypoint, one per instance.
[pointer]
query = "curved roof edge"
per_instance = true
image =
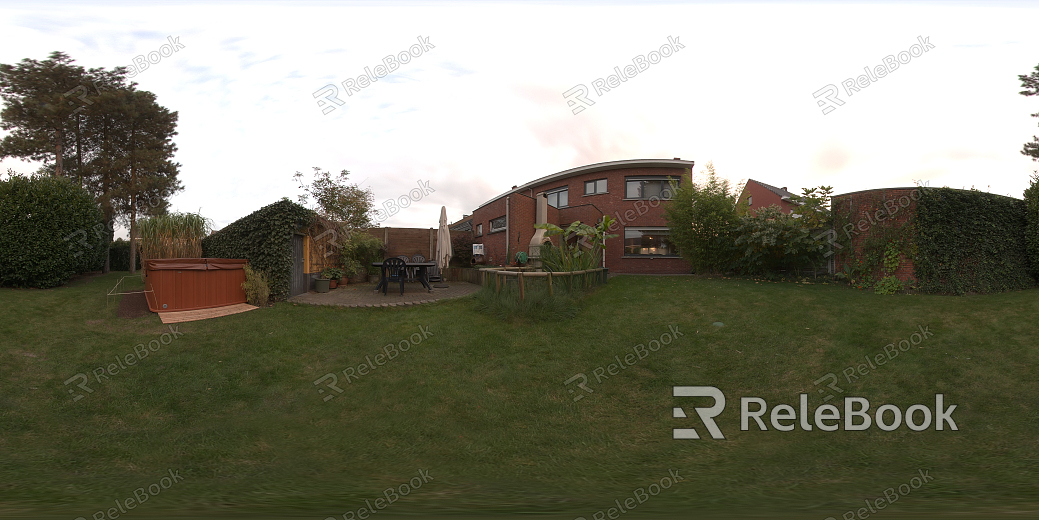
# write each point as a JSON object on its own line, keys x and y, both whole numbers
{"x": 597, "y": 167}
{"x": 919, "y": 187}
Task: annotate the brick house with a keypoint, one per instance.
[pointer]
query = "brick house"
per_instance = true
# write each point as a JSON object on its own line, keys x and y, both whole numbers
{"x": 757, "y": 195}
{"x": 633, "y": 192}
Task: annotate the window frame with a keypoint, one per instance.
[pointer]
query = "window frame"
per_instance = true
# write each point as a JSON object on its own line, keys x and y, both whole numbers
{"x": 658, "y": 230}
{"x": 479, "y": 229}
{"x": 556, "y": 192}
{"x": 595, "y": 187}
{"x": 492, "y": 229}
{"x": 666, "y": 179}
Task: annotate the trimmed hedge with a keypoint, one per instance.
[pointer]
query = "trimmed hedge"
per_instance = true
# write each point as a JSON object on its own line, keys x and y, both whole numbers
{"x": 265, "y": 239}
{"x": 50, "y": 230}
{"x": 970, "y": 242}
{"x": 119, "y": 256}
{"x": 1032, "y": 224}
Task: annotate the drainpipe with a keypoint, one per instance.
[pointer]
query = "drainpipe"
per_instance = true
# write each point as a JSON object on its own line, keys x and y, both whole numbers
{"x": 507, "y": 197}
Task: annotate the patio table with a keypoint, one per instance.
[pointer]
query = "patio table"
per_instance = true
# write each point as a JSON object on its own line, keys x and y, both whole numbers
{"x": 421, "y": 273}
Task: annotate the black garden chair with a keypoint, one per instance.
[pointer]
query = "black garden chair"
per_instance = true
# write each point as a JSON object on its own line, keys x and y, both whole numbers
{"x": 396, "y": 271}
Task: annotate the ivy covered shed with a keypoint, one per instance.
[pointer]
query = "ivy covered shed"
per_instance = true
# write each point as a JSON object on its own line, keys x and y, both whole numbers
{"x": 938, "y": 240}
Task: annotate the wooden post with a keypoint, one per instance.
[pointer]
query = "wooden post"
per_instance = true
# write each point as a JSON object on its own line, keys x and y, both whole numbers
{"x": 550, "y": 284}
{"x": 497, "y": 282}
{"x": 520, "y": 280}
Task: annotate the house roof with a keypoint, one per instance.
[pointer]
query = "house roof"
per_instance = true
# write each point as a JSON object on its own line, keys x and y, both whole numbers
{"x": 783, "y": 194}
{"x": 597, "y": 167}
{"x": 467, "y": 225}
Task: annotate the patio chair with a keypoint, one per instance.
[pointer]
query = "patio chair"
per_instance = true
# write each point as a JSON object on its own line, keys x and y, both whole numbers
{"x": 434, "y": 274}
{"x": 415, "y": 270}
{"x": 410, "y": 271}
{"x": 396, "y": 271}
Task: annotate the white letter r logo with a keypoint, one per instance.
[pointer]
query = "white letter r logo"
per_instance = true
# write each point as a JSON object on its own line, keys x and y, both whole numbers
{"x": 707, "y": 415}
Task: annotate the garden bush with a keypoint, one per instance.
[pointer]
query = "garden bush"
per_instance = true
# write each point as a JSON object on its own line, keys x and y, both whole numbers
{"x": 50, "y": 230}
{"x": 257, "y": 291}
{"x": 119, "y": 256}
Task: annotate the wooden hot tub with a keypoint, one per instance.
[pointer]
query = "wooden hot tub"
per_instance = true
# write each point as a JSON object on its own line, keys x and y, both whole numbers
{"x": 184, "y": 284}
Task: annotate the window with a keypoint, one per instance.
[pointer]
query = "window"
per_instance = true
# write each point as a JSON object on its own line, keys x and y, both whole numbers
{"x": 595, "y": 187}
{"x": 498, "y": 224}
{"x": 648, "y": 187}
{"x": 750, "y": 200}
{"x": 558, "y": 198}
{"x": 479, "y": 230}
{"x": 648, "y": 242}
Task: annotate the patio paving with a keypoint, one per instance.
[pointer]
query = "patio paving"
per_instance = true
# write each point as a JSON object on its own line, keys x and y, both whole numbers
{"x": 364, "y": 295}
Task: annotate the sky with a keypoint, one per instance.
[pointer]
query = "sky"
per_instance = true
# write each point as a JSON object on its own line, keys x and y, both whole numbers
{"x": 483, "y": 102}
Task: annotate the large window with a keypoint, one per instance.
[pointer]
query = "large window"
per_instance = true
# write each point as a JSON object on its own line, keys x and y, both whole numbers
{"x": 558, "y": 198}
{"x": 648, "y": 187}
{"x": 595, "y": 187}
{"x": 498, "y": 224}
{"x": 648, "y": 242}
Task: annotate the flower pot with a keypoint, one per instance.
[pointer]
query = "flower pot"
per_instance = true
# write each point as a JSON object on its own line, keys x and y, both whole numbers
{"x": 332, "y": 284}
{"x": 321, "y": 285}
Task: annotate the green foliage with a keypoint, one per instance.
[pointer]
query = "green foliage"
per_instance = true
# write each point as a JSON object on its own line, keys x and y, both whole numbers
{"x": 770, "y": 240}
{"x": 174, "y": 235}
{"x": 1032, "y": 224}
{"x": 462, "y": 247}
{"x": 265, "y": 239}
{"x": 50, "y": 230}
{"x": 346, "y": 205}
{"x": 119, "y": 256}
{"x": 1031, "y": 85}
{"x": 332, "y": 273}
{"x": 257, "y": 291}
{"x": 536, "y": 306}
{"x": 813, "y": 205}
{"x": 890, "y": 284}
{"x": 971, "y": 242}
{"x": 572, "y": 257}
{"x": 358, "y": 251}
{"x": 701, "y": 217}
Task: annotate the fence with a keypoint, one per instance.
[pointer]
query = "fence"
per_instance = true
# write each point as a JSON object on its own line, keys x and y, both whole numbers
{"x": 501, "y": 276}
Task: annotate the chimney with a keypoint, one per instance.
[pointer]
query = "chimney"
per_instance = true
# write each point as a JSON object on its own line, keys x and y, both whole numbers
{"x": 783, "y": 188}
{"x": 678, "y": 158}
{"x": 514, "y": 187}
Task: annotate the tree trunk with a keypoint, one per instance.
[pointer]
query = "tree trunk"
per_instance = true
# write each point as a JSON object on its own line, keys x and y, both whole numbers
{"x": 58, "y": 151}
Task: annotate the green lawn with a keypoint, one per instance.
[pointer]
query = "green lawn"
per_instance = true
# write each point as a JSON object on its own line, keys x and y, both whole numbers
{"x": 481, "y": 406}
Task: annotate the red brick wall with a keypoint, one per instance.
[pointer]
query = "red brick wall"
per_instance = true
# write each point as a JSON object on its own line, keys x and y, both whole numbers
{"x": 588, "y": 209}
{"x": 868, "y": 210}
{"x": 762, "y": 198}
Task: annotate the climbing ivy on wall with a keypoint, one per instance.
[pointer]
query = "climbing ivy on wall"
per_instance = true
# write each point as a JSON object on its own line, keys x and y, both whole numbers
{"x": 970, "y": 242}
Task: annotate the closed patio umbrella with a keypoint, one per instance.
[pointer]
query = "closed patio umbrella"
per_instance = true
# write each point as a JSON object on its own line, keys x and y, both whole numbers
{"x": 444, "y": 254}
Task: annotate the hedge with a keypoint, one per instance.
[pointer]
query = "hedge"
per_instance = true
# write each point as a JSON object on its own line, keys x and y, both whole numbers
{"x": 119, "y": 256}
{"x": 50, "y": 230}
{"x": 265, "y": 239}
{"x": 970, "y": 242}
{"x": 1032, "y": 224}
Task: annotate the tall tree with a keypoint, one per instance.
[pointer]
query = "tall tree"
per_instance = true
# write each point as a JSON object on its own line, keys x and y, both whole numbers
{"x": 1031, "y": 84}
{"x": 41, "y": 98}
{"x": 701, "y": 217}
{"x": 145, "y": 148}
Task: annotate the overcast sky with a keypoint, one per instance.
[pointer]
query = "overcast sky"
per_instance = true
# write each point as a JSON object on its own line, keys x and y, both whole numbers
{"x": 482, "y": 107}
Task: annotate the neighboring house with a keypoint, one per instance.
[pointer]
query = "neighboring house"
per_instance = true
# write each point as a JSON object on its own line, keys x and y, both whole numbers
{"x": 633, "y": 192}
{"x": 757, "y": 195}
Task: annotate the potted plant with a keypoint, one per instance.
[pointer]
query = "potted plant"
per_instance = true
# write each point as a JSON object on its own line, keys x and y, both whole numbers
{"x": 322, "y": 284}
{"x": 333, "y": 275}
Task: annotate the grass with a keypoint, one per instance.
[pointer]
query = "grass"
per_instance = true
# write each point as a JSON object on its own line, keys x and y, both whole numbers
{"x": 481, "y": 405}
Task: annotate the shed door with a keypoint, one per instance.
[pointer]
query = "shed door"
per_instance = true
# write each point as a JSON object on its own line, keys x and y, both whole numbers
{"x": 299, "y": 278}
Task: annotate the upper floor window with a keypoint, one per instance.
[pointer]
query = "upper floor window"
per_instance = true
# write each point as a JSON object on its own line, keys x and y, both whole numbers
{"x": 558, "y": 198}
{"x": 648, "y": 187}
{"x": 479, "y": 229}
{"x": 750, "y": 200}
{"x": 498, "y": 224}
{"x": 595, "y": 187}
